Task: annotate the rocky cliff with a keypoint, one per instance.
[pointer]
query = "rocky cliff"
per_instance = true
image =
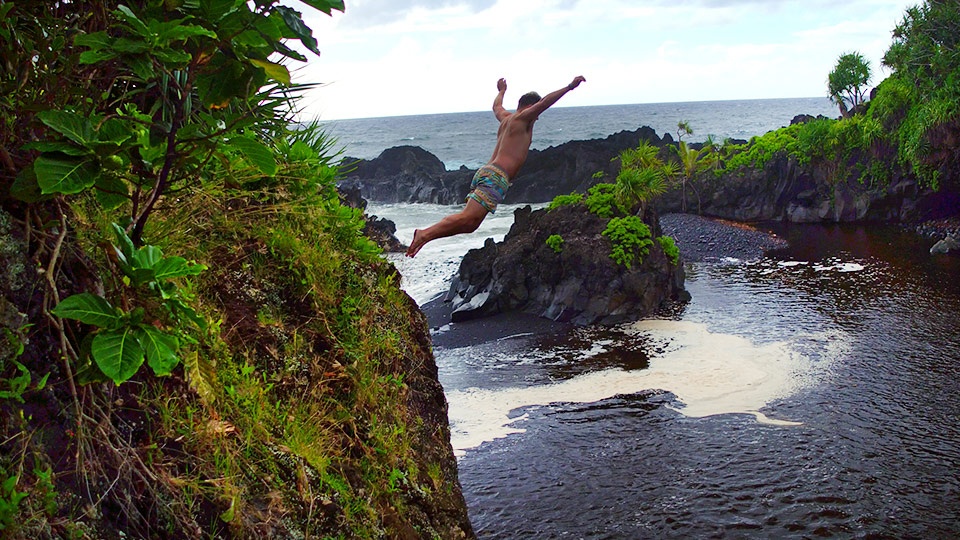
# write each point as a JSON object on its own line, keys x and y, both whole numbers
{"x": 411, "y": 174}
{"x": 785, "y": 190}
{"x": 579, "y": 284}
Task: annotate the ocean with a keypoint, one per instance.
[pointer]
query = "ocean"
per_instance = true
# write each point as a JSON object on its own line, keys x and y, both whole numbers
{"x": 467, "y": 138}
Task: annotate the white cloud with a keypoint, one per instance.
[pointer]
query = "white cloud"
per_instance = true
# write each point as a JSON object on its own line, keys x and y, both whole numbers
{"x": 427, "y": 56}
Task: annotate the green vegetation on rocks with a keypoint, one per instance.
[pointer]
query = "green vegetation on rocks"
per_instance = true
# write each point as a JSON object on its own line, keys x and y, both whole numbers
{"x": 162, "y": 212}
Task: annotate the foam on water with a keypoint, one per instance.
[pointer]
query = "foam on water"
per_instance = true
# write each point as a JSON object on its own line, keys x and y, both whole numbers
{"x": 709, "y": 373}
{"x": 427, "y": 275}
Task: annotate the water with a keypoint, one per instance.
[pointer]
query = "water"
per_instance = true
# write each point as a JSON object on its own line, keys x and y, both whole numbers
{"x": 811, "y": 393}
{"x": 467, "y": 138}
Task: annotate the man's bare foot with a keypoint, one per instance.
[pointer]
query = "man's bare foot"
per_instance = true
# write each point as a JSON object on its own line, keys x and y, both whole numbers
{"x": 416, "y": 244}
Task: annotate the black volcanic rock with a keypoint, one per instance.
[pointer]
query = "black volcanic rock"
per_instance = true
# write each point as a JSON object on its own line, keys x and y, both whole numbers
{"x": 407, "y": 174}
{"x": 581, "y": 284}
{"x": 381, "y": 231}
{"x": 410, "y": 174}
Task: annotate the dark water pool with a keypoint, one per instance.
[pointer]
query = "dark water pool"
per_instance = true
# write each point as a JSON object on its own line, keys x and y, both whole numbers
{"x": 872, "y": 315}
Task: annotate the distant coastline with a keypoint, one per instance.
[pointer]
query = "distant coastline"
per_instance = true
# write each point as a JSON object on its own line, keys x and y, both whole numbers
{"x": 465, "y": 139}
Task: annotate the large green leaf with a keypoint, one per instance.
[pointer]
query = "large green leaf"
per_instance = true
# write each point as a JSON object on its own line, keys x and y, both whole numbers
{"x": 171, "y": 267}
{"x": 294, "y": 22}
{"x": 59, "y": 173}
{"x": 124, "y": 244}
{"x": 276, "y": 72}
{"x": 118, "y": 353}
{"x": 161, "y": 349}
{"x": 147, "y": 257}
{"x": 63, "y": 147}
{"x": 26, "y": 188}
{"x": 258, "y": 153}
{"x": 89, "y": 309}
{"x": 69, "y": 124}
{"x": 111, "y": 192}
{"x": 135, "y": 23}
{"x": 326, "y": 6}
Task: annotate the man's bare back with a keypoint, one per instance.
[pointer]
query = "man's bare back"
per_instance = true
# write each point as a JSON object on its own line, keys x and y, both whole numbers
{"x": 492, "y": 180}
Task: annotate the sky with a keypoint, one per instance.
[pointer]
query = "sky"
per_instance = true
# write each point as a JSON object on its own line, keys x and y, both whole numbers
{"x": 393, "y": 58}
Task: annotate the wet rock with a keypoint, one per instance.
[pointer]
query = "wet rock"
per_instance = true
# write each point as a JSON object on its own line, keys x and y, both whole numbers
{"x": 944, "y": 246}
{"x": 581, "y": 284}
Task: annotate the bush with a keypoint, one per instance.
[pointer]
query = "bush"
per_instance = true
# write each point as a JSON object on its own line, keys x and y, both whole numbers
{"x": 670, "y": 249}
{"x": 565, "y": 200}
{"x": 602, "y": 200}
{"x": 631, "y": 240}
{"x": 555, "y": 242}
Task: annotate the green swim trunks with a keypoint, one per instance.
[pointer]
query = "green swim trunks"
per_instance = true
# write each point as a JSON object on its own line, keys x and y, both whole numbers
{"x": 489, "y": 186}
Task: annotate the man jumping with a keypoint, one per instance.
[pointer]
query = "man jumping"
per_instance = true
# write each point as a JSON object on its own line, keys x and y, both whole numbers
{"x": 492, "y": 180}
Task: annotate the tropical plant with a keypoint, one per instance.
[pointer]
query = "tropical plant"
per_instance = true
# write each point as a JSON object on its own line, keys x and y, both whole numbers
{"x": 127, "y": 337}
{"x": 565, "y": 200}
{"x": 630, "y": 239}
{"x": 555, "y": 242}
{"x": 847, "y": 83}
{"x": 602, "y": 200}
{"x": 692, "y": 162}
{"x": 191, "y": 84}
{"x": 642, "y": 176}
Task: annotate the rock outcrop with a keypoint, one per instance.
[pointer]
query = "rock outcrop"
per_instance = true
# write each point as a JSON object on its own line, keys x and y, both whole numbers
{"x": 382, "y": 231}
{"x": 410, "y": 174}
{"x": 785, "y": 190}
{"x": 406, "y": 174}
{"x": 580, "y": 284}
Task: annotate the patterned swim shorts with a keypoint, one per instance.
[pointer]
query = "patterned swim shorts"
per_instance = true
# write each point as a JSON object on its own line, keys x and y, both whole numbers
{"x": 489, "y": 186}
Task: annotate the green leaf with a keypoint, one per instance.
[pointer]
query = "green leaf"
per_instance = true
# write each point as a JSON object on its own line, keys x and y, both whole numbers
{"x": 294, "y": 22}
{"x": 69, "y": 124}
{"x": 146, "y": 257}
{"x": 326, "y": 6}
{"x": 26, "y": 188}
{"x": 135, "y": 23}
{"x": 63, "y": 147}
{"x": 94, "y": 57}
{"x": 257, "y": 152}
{"x": 111, "y": 192}
{"x": 276, "y": 72}
{"x": 174, "y": 31}
{"x": 118, "y": 353}
{"x": 125, "y": 246}
{"x": 89, "y": 309}
{"x": 58, "y": 173}
{"x": 171, "y": 267}
{"x": 161, "y": 349}
{"x": 288, "y": 52}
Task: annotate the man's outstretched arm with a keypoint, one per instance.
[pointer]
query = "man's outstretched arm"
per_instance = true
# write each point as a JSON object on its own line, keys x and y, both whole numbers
{"x": 498, "y": 109}
{"x": 546, "y": 101}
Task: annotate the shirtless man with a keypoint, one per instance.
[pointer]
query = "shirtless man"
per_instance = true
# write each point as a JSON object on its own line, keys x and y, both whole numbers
{"x": 492, "y": 180}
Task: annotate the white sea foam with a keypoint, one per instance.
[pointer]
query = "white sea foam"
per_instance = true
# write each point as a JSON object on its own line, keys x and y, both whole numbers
{"x": 709, "y": 373}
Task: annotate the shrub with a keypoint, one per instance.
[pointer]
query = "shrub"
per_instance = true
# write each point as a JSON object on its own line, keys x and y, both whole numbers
{"x": 631, "y": 240}
{"x": 555, "y": 242}
{"x": 670, "y": 249}
{"x": 602, "y": 200}
{"x": 565, "y": 200}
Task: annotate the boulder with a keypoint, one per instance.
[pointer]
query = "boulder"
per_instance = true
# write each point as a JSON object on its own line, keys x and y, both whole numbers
{"x": 581, "y": 284}
{"x": 944, "y": 246}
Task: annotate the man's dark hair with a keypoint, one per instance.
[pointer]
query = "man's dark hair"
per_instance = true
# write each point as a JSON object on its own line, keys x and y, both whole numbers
{"x": 528, "y": 99}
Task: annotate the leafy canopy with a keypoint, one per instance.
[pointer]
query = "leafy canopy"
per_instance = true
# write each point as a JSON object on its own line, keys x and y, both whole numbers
{"x": 847, "y": 83}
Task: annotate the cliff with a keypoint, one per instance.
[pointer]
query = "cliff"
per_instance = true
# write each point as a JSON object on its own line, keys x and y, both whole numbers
{"x": 574, "y": 280}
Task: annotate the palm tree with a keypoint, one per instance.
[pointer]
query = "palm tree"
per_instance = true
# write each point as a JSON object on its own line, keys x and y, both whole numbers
{"x": 643, "y": 176}
{"x": 692, "y": 162}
